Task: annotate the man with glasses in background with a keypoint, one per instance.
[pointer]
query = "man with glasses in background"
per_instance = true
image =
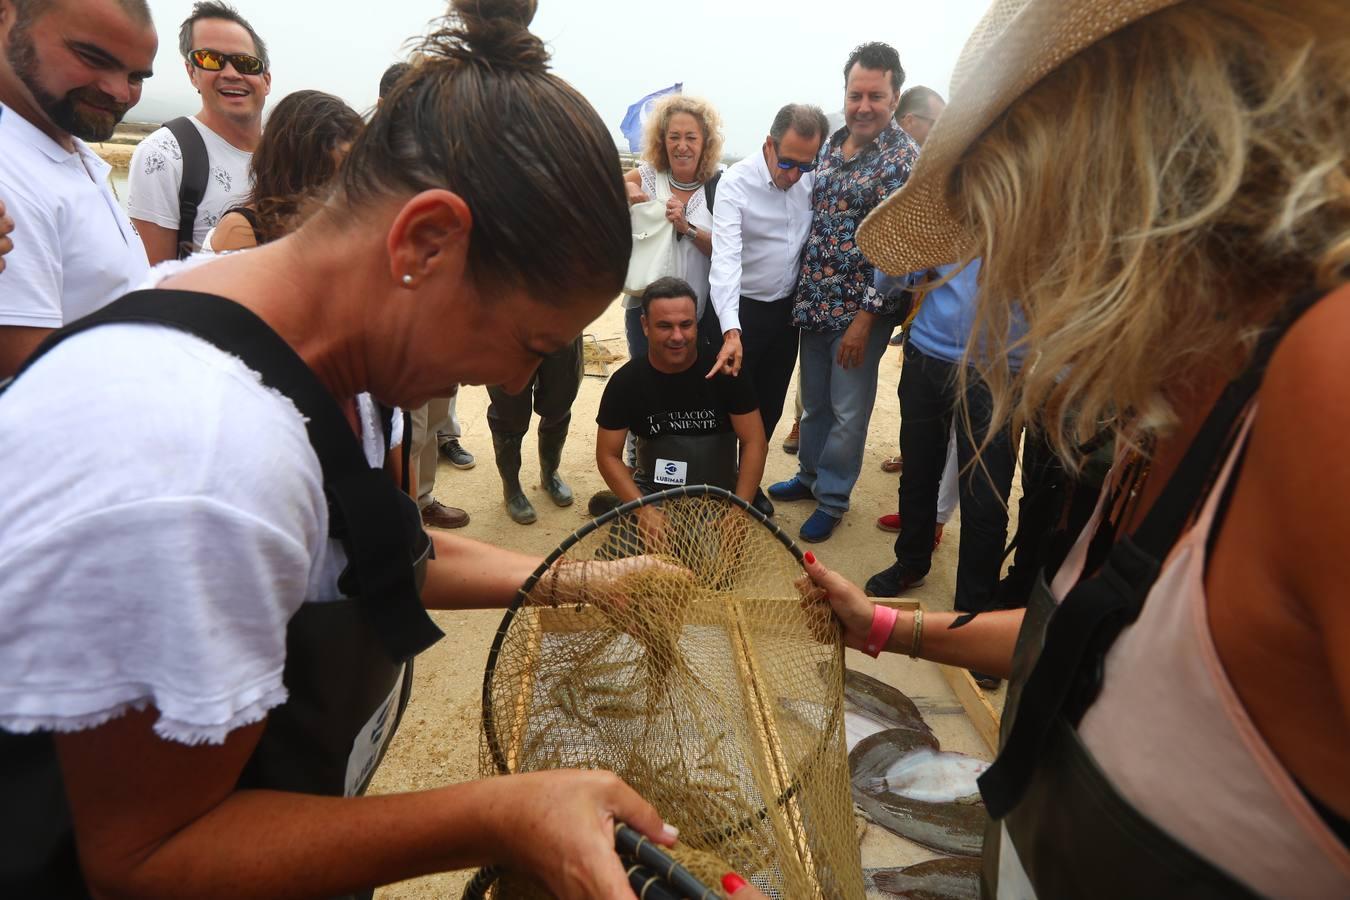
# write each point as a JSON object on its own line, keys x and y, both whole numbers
{"x": 918, "y": 110}
{"x": 186, "y": 175}
{"x": 760, "y": 221}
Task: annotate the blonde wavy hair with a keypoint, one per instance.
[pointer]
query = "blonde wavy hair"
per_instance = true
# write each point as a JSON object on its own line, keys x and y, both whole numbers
{"x": 654, "y": 133}
{"x": 1152, "y": 204}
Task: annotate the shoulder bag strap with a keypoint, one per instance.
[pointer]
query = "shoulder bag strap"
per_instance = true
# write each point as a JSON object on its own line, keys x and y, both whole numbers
{"x": 710, "y": 189}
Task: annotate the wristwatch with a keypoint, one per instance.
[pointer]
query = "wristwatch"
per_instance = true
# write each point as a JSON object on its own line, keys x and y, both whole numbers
{"x": 693, "y": 230}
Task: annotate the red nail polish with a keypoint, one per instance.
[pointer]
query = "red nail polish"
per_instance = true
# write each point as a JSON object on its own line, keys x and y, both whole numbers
{"x": 731, "y": 883}
{"x": 810, "y": 558}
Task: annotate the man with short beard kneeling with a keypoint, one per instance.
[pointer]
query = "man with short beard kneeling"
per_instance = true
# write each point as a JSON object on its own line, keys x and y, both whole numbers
{"x": 687, "y": 426}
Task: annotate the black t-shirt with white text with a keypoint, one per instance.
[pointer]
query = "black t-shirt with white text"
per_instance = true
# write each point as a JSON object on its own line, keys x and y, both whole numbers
{"x": 653, "y": 404}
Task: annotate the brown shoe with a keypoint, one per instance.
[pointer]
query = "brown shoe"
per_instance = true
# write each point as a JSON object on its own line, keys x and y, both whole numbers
{"x": 437, "y": 515}
{"x": 794, "y": 439}
{"x": 892, "y": 464}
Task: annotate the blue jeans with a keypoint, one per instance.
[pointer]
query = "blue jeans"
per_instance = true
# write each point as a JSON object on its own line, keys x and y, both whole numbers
{"x": 836, "y": 410}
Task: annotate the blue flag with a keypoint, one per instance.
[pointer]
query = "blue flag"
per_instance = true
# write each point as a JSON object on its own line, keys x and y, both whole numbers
{"x": 638, "y": 113}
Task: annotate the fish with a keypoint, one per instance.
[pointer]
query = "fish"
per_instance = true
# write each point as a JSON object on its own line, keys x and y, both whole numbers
{"x": 871, "y": 703}
{"x": 870, "y": 706}
{"x": 930, "y": 775}
{"x": 945, "y": 878}
{"x": 892, "y": 772}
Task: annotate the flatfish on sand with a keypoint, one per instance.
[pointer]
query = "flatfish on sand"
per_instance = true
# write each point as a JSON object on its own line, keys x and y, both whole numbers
{"x": 902, "y": 782}
{"x": 947, "y": 878}
{"x": 871, "y": 706}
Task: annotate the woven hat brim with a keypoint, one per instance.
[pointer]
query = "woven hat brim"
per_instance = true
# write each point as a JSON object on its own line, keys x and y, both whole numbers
{"x": 1016, "y": 44}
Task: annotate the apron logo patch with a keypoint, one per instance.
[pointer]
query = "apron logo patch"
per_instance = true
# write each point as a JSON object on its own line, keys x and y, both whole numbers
{"x": 671, "y": 471}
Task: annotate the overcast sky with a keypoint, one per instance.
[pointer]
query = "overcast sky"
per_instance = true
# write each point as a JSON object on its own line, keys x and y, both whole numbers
{"x": 747, "y": 56}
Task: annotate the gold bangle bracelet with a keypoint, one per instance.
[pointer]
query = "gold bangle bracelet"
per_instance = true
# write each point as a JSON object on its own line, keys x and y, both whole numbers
{"x": 916, "y": 642}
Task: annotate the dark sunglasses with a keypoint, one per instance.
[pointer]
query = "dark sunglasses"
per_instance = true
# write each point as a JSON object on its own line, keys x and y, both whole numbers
{"x": 214, "y": 61}
{"x": 787, "y": 165}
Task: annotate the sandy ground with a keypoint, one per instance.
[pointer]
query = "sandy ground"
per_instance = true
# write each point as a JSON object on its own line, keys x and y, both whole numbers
{"x": 438, "y": 741}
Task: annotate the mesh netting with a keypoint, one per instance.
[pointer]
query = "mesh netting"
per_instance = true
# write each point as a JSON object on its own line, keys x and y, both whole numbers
{"x": 668, "y": 643}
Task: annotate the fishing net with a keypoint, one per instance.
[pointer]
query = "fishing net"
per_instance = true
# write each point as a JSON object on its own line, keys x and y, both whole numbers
{"x": 667, "y": 641}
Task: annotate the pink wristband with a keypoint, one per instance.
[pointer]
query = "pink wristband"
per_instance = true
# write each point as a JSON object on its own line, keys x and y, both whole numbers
{"x": 883, "y": 623}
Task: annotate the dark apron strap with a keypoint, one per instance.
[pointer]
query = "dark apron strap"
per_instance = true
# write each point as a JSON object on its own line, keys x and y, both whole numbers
{"x": 363, "y": 508}
{"x": 1067, "y": 676}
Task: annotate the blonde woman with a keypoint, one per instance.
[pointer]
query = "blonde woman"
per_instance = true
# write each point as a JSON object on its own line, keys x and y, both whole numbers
{"x": 681, "y": 147}
{"x": 1164, "y": 188}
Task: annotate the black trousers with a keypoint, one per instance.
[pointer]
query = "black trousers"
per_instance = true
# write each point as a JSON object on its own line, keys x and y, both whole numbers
{"x": 550, "y": 394}
{"x": 769, "y": 342}
{"x": 928, "y": 402}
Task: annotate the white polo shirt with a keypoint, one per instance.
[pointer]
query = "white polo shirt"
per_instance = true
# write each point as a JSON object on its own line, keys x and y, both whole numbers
{"x": 74, "y": 249}
{"x": 758, "y": 234}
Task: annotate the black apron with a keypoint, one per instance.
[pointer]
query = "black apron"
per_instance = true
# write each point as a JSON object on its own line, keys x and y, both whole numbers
{"x": 348, "y": 670}
{"x": 1074, "y": 834}
{"x": 680, "y": 460}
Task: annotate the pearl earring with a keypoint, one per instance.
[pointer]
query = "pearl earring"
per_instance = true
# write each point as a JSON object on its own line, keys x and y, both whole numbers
{"x": 407, "y": 281}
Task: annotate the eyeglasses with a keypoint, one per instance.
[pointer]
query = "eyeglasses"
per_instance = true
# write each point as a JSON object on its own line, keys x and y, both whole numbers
{"x": 214, "y": 61}
{"x": 929, "y": 119}
{"x": 787, "y": 165}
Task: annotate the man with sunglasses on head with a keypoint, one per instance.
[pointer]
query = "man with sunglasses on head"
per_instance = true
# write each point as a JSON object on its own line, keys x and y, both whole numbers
{"x": 69, "y": 71}
{"x": 227, "y": 64}
{"x": 760, "y": 222}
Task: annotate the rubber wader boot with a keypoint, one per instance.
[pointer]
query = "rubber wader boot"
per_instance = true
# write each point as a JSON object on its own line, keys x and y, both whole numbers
{"x": 550, "y": 457}
{"x": 506, "y": 447}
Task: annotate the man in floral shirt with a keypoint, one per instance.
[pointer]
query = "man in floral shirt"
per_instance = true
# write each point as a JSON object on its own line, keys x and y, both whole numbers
{"x": 845, "y": 323}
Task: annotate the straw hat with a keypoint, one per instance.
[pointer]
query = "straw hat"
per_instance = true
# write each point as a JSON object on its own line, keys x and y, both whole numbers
{"x": 1016, "y": 44}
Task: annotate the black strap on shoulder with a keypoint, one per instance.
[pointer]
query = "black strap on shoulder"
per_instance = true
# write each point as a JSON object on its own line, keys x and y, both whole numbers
{"x": 363, "y": 505}
{"x": 250, "y": 217}
{"x": 1067, "y": 676}
{"x": 710, "y": 189}
{"x": 191, "y": 190}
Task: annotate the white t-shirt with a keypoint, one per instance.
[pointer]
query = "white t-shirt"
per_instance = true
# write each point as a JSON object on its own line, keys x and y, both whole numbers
{"x": 74, "y": 249}
{"x": 160, "y": 564}
{"x": 157, "y": 173}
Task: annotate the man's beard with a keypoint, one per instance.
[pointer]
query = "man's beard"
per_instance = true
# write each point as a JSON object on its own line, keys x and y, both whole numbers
{"x": 86, "y": 124}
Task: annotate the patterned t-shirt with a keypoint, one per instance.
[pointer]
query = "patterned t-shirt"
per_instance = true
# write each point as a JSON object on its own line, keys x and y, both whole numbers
{"x": 836, "y": 279}
{"x": 157, "y": 171}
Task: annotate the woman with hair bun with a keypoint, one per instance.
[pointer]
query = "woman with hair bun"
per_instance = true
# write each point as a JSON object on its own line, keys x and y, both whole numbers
{"x": 208, "y": 634}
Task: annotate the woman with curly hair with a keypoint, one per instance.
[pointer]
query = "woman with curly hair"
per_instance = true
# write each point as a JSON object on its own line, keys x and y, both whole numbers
{"x": 1163, "y": 189}
{"x": 681, "y": 150}
{"x": 307, "y": 137}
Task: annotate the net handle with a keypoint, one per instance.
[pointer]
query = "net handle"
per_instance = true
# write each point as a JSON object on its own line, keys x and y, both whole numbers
{"x": 697, "y": 490}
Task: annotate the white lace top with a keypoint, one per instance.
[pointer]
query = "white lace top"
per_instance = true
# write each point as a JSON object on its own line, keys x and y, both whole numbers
{"x": 691, "y": 264}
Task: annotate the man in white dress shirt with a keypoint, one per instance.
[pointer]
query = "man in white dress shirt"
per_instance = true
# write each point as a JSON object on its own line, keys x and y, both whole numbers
{"x": 69, "y": 71}
{"x": 760, "y": 222}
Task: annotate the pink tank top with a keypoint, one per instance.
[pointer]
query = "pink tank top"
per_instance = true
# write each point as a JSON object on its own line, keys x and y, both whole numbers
{"x": 1171, "y": 734}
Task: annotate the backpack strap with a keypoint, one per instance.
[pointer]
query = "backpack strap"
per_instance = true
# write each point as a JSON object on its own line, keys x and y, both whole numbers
{"x": 191, "y": 190}
{"x": 366, "y": 511}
